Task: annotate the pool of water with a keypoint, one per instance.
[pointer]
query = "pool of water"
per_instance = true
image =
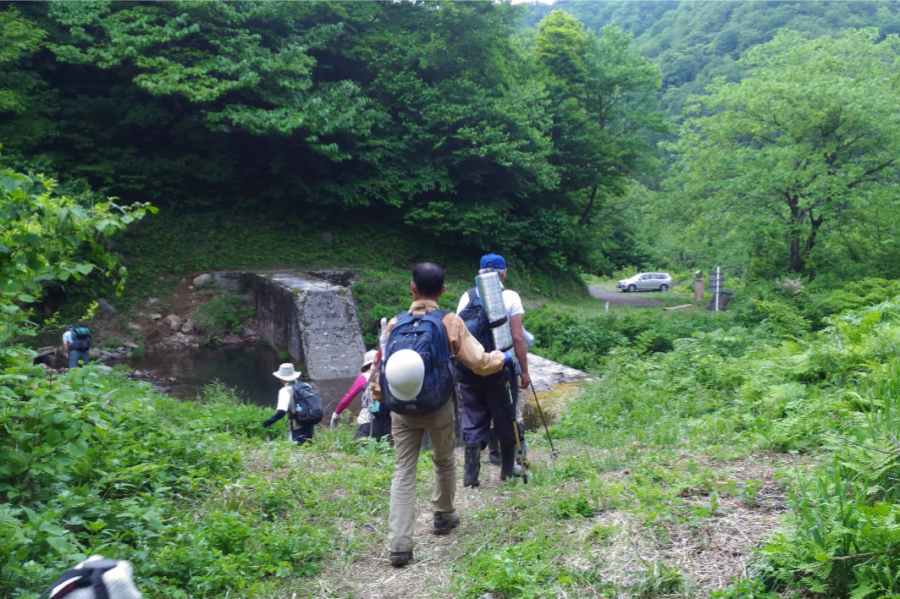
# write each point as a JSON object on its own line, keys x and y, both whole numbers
{"x": 248, "y": 369}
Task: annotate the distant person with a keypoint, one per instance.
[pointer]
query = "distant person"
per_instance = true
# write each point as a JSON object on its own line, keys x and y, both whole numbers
{"x": 487, "y": 398}
{"x": 374, "y": 423}
{"x": 76, "y": 342}
{"x": 409, "y": 381}
{"x": 300, "y": 402}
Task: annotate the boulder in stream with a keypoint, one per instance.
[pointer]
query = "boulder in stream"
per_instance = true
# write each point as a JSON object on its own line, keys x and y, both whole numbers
{"x": 173, "y": 321}
{"x": 203, "y": 279}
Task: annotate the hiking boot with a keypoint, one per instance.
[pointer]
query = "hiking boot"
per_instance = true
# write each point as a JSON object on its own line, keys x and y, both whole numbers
{"x": 472, "y": 465}
{"x": 492, "y": 458}
{"x": 401, "y": 558}
{"x": 494, "y": 446}
{"x": 442, "y": 525}
{"x": 507, "y": 460}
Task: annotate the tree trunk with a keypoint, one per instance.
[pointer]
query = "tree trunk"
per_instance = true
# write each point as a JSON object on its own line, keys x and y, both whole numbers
{"x": 795, "y": 262}
{"x": 585, "y": 217}
{"x": 798, "y": 253}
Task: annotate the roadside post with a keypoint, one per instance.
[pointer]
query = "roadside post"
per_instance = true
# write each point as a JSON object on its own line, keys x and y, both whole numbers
{"x": 715, "y": 286}
{"x": 698, "y": 287}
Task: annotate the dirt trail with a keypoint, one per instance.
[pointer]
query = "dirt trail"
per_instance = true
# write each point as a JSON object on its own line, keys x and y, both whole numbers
{"x": 622, "y": 299}
{"x": 721, "y": 548}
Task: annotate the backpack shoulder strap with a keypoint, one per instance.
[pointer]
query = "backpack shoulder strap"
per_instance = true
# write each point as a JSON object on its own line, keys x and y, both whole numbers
{"x": 435, "y": 317}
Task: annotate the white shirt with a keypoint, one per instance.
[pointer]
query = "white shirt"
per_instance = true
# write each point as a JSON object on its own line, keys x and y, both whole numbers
{"x": 67, "y": 337}
{"x": 511, "y": 301}
{"x": 285, "y": 395}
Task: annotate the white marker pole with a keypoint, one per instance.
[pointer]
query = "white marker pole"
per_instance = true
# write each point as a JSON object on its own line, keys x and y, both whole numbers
{"x": 718, "y": 284}
{"x": 607, "y": 306}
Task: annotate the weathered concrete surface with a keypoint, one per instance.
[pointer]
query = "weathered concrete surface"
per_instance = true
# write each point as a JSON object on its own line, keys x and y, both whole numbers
{"x": 555, "y": 385}
{"x": 313, "y": 320}
{"x": 547, "y": 375}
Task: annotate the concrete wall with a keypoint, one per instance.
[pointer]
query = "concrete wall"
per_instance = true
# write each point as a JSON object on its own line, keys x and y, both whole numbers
{"x": 313, "y": 320}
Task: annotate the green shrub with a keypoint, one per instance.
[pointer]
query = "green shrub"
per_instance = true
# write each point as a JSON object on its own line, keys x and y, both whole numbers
{"x": 863, "y": 293}
{"x": 95, "y": 463}
{"x": 224, "y": 314}
{"x": 846, "y": 517}
{"x": 521, "y": 571}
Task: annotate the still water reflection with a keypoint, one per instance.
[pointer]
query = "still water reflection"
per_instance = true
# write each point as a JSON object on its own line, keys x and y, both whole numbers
{"x": 246, "y": 369}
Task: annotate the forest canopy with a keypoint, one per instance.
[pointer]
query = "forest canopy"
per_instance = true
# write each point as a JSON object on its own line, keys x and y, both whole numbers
{"x": 693, "y": 43}
{"x": 437, "y": 117}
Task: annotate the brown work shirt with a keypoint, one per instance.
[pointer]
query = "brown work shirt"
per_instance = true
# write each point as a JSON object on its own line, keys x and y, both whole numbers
{"x": 463, "y": 345}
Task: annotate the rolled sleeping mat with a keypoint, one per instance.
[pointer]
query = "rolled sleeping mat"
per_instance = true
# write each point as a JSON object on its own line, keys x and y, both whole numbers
{"x": 502, "y": 337}
{"x": 490, "y": 290}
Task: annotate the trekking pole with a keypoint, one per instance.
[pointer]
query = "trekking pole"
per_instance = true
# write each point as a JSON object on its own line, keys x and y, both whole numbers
{"x": 553, "y": 452}
{"x": 516, "y": 432}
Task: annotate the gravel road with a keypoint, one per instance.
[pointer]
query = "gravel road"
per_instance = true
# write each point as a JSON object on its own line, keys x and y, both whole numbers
{"x": 624, "y": 299}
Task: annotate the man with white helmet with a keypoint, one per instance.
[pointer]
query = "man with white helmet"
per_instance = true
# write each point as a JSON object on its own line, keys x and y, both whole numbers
{"x": 405, "y": 371}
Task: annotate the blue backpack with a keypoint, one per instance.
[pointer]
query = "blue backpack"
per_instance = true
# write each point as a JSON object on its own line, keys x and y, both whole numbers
{"x": 425, "y": 335}
{"x": 476, "y": 320}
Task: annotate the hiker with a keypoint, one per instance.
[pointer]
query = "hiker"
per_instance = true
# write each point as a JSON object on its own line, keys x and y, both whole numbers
{"x": 412, "y": 386}
{"x": 488, "y": 398}
{"x": 374, "y": 423}
{"x": 76, "y": 342}
{"x": 300, "y": 402}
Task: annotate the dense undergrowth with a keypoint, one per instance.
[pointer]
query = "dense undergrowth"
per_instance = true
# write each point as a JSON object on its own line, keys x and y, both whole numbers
{"x": 192, "y": 493}
{"x": 832, "y": 395}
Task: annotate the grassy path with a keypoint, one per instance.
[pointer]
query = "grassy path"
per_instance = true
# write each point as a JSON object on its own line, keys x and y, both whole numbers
{"x": 591, "y": 523}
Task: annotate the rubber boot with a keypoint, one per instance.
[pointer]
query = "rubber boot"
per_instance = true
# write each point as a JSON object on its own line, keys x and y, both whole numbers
{"x": 493, "y": 456}
{"x": 507, "y": 460}
{"x": 472, "y": 465}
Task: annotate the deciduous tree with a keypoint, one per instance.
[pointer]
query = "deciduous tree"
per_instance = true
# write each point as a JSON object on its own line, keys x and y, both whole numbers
{"x": 814, "y": 131}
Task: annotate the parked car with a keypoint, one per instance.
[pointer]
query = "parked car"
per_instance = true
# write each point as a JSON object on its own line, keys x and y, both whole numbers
{"x": 647, "y": 281}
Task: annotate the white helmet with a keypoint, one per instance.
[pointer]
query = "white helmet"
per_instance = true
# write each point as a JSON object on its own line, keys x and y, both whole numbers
{"x": 405, "y": 373}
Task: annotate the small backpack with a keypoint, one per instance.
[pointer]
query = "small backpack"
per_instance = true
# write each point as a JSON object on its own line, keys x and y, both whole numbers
{"x": 476, "y": 321}
{"x": 306, "y": 406}
{"x": 81, "y": 338}
{"x": 425, "y": 335}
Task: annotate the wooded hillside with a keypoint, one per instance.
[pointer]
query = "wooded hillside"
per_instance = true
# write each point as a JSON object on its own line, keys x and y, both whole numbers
{"x": 695, "y": 42}
{"x": 435, "y": 117}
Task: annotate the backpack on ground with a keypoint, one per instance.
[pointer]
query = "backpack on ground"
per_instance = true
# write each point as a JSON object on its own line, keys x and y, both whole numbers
{"x": 425, "y": 335}
{"x": 306, "y": 406}
{"x": 81, "y": 338}
{"x": 476, "y": 321}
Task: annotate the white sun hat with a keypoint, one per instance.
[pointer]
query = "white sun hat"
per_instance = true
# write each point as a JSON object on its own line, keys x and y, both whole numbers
{"x": 286, "y": 372}
{"x": 369, "y": 358}
{"x": 405, "y": 373}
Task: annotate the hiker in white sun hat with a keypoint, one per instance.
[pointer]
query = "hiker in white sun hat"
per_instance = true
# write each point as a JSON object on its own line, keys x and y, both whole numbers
{"x": 300, "y": 402}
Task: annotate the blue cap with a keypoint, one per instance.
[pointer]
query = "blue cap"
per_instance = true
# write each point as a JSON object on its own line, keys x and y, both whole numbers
{"x": 493, "y": 261}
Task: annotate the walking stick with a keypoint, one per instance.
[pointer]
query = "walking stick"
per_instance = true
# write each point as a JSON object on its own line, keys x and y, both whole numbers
{"x": 516, "y": 431}
{"x": 553, "y": 452}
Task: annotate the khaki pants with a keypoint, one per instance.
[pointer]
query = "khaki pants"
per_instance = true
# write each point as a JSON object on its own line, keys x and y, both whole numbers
{"x": 407, "y": 432}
